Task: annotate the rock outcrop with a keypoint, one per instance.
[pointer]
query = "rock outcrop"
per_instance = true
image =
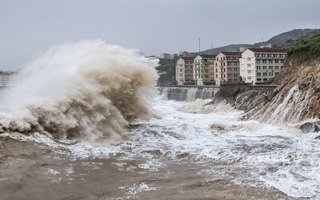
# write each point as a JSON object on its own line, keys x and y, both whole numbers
{"x": 310, "y": 127}
{"x": 294, "y": 100}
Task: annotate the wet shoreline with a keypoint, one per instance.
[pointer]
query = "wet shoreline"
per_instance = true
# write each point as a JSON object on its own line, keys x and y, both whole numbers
{"x": 34, "y": 171}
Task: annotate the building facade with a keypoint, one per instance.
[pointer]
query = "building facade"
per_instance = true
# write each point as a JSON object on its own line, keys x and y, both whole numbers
{"x": 227, "y": 67}
{"x": 258, "y": 65}
{"x": 203, "y": 70}
{"x": 184, "y": 71}
{"x": 8, "y": 78}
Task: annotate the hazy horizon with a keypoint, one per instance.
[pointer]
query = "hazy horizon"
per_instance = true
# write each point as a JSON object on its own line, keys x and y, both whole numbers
{"x": 152, "y": 27}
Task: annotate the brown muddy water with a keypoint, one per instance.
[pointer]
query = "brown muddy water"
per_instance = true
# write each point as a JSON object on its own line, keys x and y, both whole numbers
{"x": 34, "y": 171}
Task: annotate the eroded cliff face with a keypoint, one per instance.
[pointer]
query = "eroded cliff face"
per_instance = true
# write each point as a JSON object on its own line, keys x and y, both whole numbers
{"x": 296, "y": 99}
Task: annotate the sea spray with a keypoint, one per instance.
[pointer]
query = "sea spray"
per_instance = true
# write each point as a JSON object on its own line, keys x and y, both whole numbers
{"x": 87, "y": 90}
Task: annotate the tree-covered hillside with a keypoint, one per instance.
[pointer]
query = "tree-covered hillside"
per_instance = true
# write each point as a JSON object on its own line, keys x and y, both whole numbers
{"x": 306, "y": 48}
{"x": 276, "y": 41}
{"x": 166, "y": 70}
{"x": 283, "y": 38}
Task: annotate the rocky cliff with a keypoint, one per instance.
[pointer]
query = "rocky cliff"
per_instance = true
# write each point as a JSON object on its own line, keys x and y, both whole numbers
{"x": 298, "y": 96}
{"x": 296, "y": 99}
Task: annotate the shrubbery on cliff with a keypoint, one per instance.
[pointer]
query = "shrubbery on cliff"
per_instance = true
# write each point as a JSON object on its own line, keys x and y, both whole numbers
{"x": 306, "y": 48}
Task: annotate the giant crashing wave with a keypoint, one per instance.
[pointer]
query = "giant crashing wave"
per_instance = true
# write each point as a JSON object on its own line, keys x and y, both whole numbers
{"x": 87, "y": 90}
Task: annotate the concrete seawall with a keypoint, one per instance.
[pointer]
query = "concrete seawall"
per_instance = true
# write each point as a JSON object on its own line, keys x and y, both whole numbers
{"x": 225, "y": 91}
{"x": 188, "y": 93}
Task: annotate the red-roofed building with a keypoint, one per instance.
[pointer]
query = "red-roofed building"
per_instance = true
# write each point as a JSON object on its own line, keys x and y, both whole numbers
{"x": 227, "y": 67}
{"x": 184, "y": 71}
{"x": 258, "y": 65}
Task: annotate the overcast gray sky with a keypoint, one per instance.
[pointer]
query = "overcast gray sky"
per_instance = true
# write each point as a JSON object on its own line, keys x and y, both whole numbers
{"x": 29, "y": 27}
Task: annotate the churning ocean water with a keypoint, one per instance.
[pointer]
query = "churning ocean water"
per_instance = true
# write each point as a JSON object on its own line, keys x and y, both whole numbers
{"x": 106, "y": 133}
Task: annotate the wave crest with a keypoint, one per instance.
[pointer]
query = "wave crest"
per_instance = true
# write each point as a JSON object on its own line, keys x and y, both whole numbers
{"x": 88, "y": 90}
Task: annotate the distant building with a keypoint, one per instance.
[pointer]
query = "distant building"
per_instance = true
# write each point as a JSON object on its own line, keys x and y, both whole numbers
{"x": 174, "y": 56}
{"x": 242, "y": 49}
{"x": 165, "y": 56}
{"x": 183, "y": 53}
{"x": 169, "y": 56}
{"x": 257, "y": 65}
{"x": 203, "y": 70}
{"x": 184, "y": 71}
{"x": 227, "y": 67}
{"x": 8, "y": 78}
{"x": 268, "y": 45}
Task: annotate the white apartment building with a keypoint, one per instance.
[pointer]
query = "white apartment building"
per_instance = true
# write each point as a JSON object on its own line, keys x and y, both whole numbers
{"x": 184, "y": 71}
{"x": 226, "y": 67}
{"x": 258, "y": 65}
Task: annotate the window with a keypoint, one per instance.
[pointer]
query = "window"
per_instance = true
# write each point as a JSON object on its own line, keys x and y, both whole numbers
{"x": 265, "y": 74}
{"x": 249, "y": 58}
{"x": 270, "y": 61}
{"x": 264, "y": 67}
{"x": 276, "y": 67}
{"x": 264, "y": 61}
{"x": 258, "y": 61}
{"x": 270, "y": 74}
{"x": 235, "y": 75}
{"x": 270, "y": 67}
{"x": 235, "y": 69}
{"x": 229, "y": 75}
{"x": 257, "y": 55}
{"x": 276, "y": 61}
{"x": 229, "y": 69}
{"x": 258, "y": 74}
{"x": 249, "y": 71}
{"x": 258, "y": 79}
{"x": 249, "y": 65}
{"x": 258, "y": 67}
{"x": 282, "y": 61}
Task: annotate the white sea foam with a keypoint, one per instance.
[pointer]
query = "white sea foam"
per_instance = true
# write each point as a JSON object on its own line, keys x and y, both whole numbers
{"x": 87, "y": 90}
{"x": 249, "y": 152}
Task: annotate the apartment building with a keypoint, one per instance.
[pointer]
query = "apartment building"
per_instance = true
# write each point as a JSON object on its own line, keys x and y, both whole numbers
{"x": 258, "y": 65}
{"x": 203, "y": 70}
{"x": 227, "y": 67}
{"x": 8, "y": 78}
{"x": 184, "y": 71}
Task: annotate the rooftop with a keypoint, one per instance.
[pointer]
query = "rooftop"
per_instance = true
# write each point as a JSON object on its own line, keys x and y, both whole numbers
{"x": 188, "y": 58}
{"x": 268, "y": 50}
{"x": 231, "y": 53}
